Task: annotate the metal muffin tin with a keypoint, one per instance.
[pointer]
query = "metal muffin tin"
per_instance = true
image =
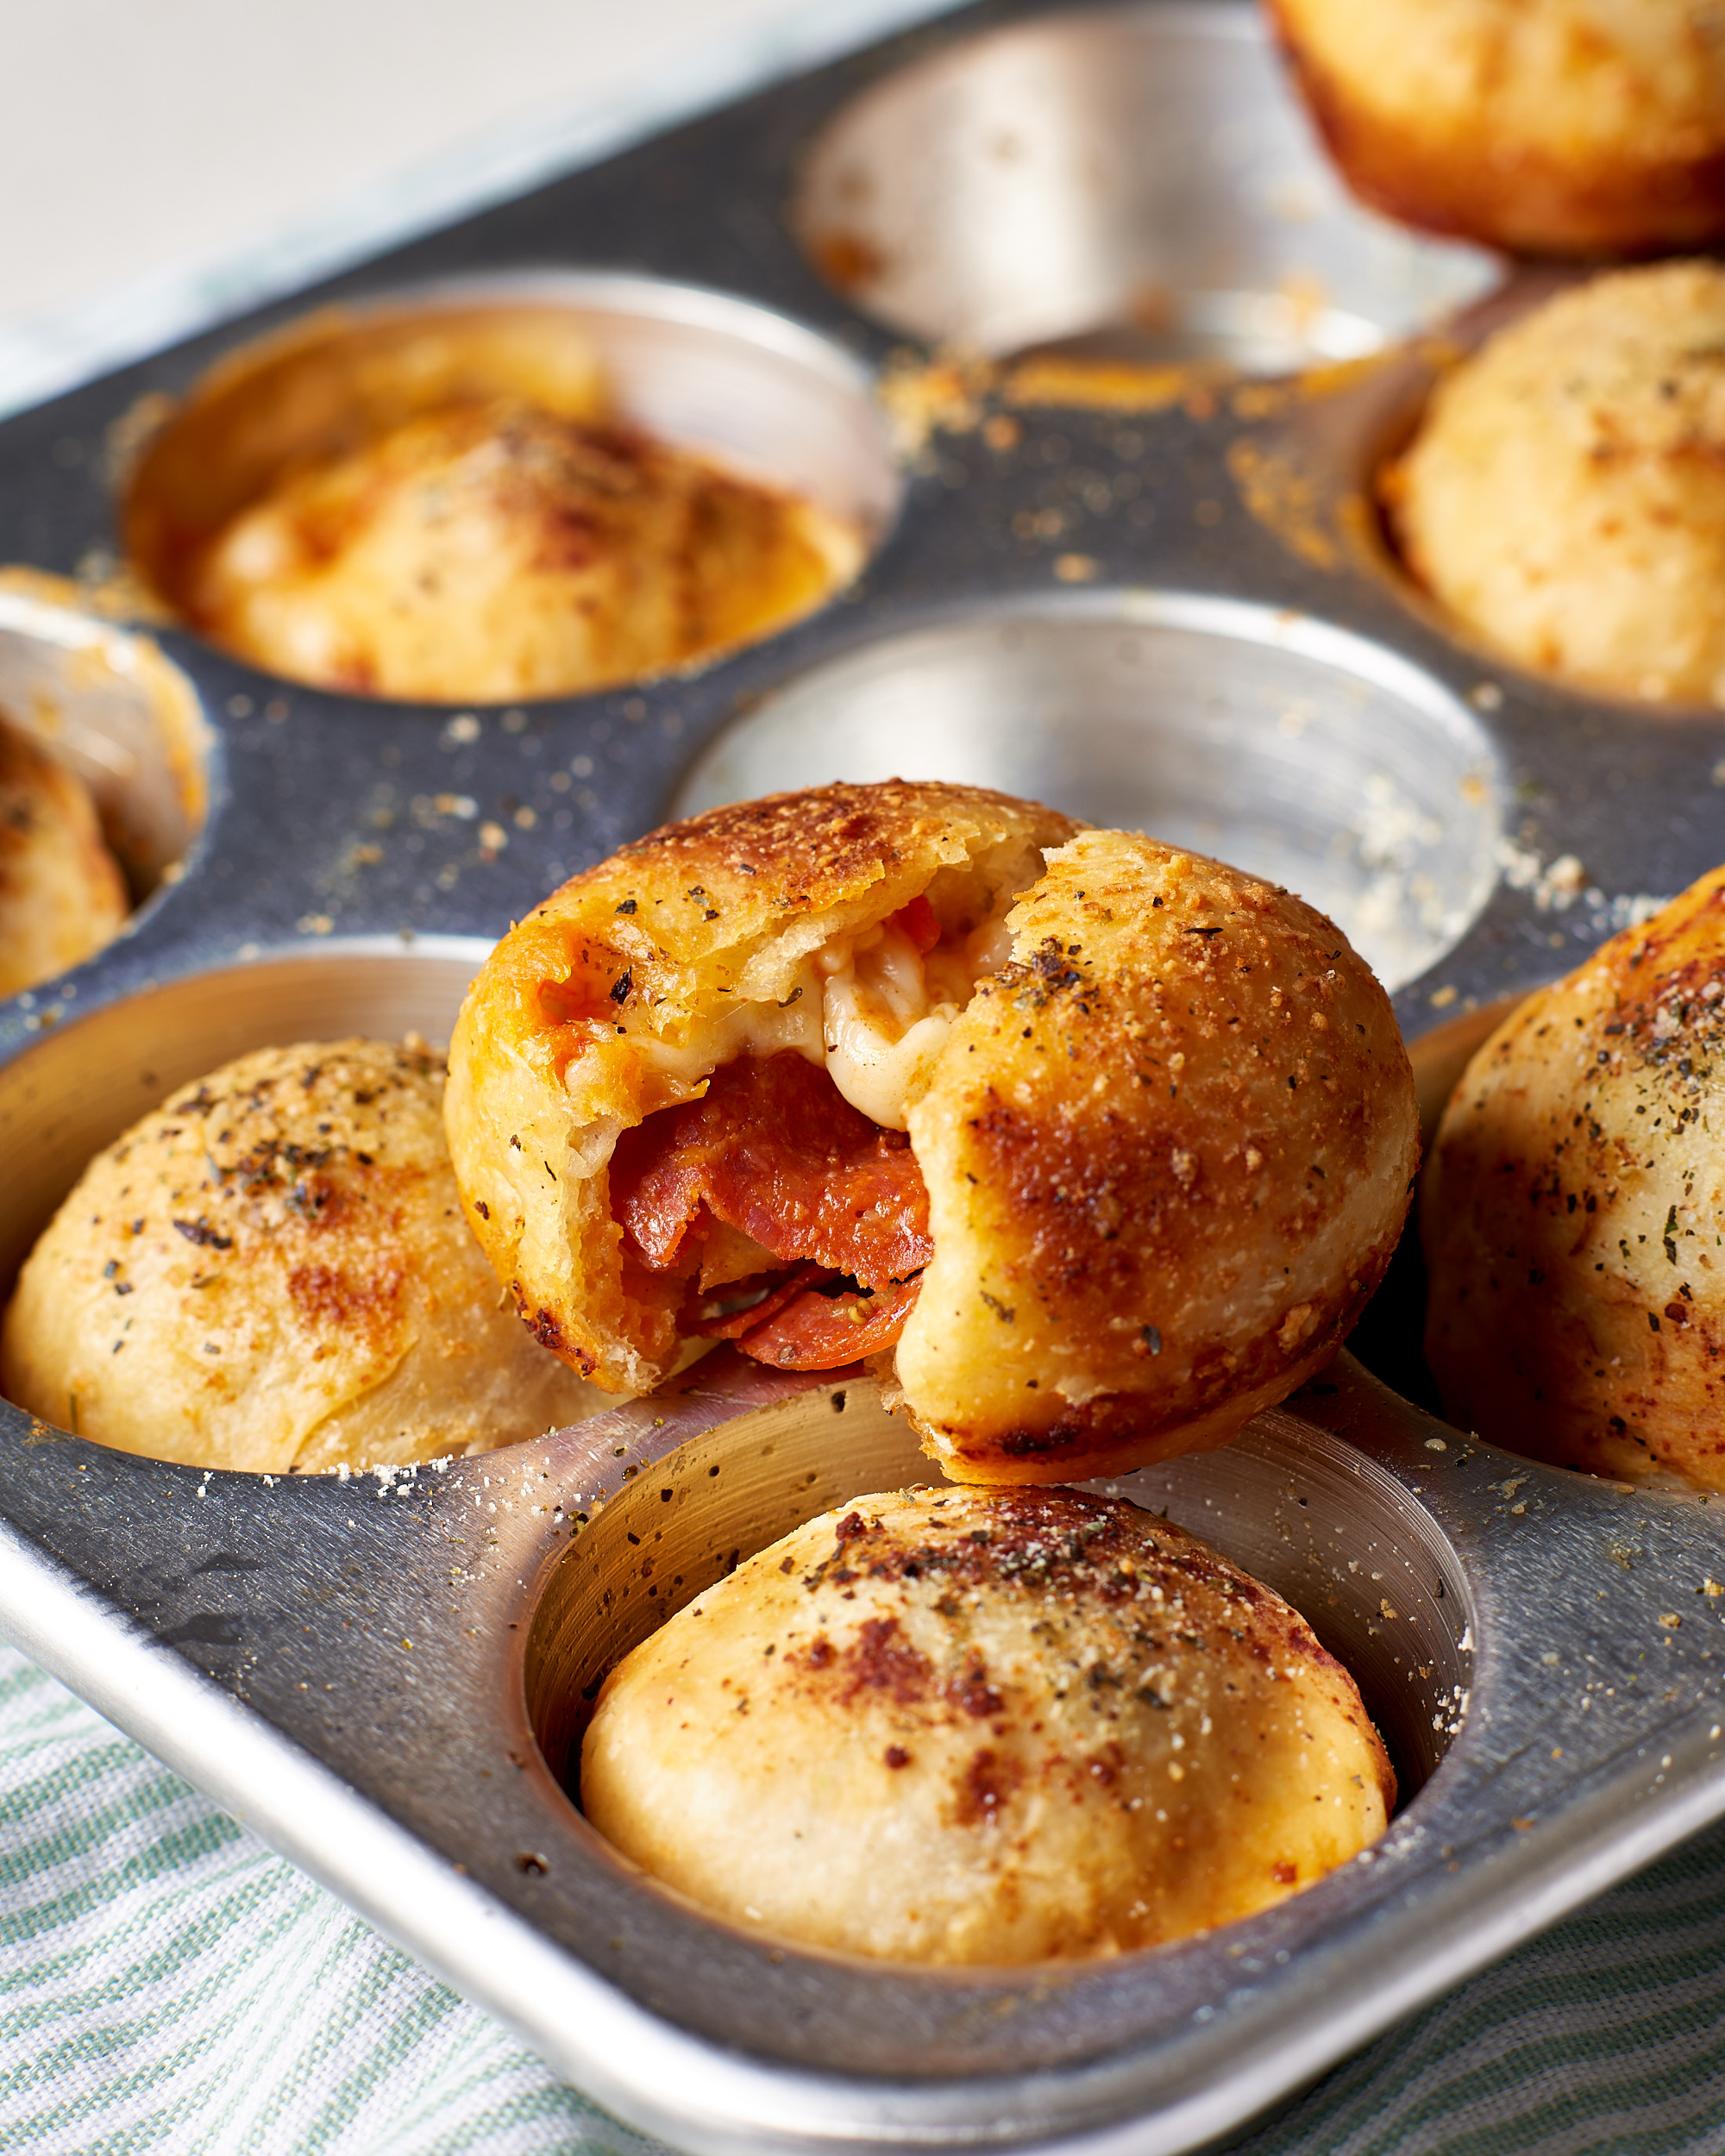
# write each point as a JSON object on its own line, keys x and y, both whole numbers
{"x": 1177, "y": 614}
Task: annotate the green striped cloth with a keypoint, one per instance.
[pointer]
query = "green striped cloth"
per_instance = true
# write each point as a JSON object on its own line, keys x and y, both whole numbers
{"x": 166, "y": 1984}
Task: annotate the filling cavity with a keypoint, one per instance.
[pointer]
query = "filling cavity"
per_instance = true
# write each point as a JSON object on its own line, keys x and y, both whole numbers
{"x": 786, "y": 1201}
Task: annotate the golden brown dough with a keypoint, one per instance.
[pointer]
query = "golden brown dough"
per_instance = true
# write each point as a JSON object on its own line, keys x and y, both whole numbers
{"x": 1547, "y": 127}
{"x": 1169, "y": 1151}
{"x": 271, "y": 1272}
{"x": 623, "y": 993}
{"x": 1161, "y": 1112}
{"x": 1572, "y": 1209}
{"x": 61, "y": 893}
{"x": 493, "y": 551}
{"x": 1565, "y": 496}
{"x": 985, "y": 1727}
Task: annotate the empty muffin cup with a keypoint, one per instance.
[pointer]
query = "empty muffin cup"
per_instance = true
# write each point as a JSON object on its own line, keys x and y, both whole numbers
{"x": 1142, "y": 173}
{"x": 1273, "y": 742}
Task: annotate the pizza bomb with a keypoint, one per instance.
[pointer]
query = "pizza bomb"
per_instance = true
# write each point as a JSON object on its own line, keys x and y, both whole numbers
{"x": 1097, "y": 1146}
{"x": 995, "y": 1726}
{"x": 1545, "y": 127}
{"x": 494, "y": 552}
{"x": 62, "y": 896}
{"x": 1564, "y": 496}
{"x": 1572, "y": 1212}
{"x": 270, "y": 1272}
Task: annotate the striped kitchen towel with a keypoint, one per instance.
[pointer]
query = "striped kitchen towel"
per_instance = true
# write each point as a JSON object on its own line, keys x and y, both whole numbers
{"x": 166, "y": 1984}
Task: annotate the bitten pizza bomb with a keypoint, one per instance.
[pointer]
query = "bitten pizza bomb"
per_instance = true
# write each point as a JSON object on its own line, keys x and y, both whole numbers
{"x": 1107, "y": 1143}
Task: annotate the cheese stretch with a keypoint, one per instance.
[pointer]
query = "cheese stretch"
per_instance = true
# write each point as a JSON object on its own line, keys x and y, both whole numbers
{"x": 871, "y": 1009}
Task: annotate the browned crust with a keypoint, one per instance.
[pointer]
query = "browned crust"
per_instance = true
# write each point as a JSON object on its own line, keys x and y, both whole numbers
{"x": 992, "y": 1726}
{"x": 1518, "y": 196}
{"x": 1577, "y": 1311}
{"x": 756, "y": 861}
{"x": 1121, "y": 1431}
{"x": 546, "y": 1063}
{"x": 320, "y": 389}
{"x": 1169, "y": 1158}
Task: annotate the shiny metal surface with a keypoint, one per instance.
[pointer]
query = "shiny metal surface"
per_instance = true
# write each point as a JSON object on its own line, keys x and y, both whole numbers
{"x": 114, "y": 710}
{"x": 1317, "y": 760}
{"x": 1142, "y": 172}
{"x": 1555, "y": 1730}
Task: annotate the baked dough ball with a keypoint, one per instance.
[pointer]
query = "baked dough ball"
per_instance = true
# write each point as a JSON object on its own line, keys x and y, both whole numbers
{"x": 1547, "y": 127}
{"x": 985, "y": 1727}
{"x": 1573, "y": 1208}
{"x": 271, "y": 1272}
{"x": 1565, "y": 493}
{"x": 1158, "y": 1127}
{"x": 493, "y": 551}
{"x": 61, "y": 893}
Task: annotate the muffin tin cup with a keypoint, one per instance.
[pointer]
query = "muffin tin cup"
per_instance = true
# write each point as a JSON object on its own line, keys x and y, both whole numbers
{"x": 1142, "y": 172}
{"x": 1315, "y": 759}
{"x": 106, "y": 704}
{"x": 699, "y": 369}
{"x": 381, "y": 1673}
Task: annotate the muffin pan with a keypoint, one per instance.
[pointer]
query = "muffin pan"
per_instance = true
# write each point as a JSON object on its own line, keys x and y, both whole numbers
{"x": 1169, "y": 607}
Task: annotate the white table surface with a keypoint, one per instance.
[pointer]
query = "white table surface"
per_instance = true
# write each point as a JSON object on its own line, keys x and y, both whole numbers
{"x": 165, "y": 164}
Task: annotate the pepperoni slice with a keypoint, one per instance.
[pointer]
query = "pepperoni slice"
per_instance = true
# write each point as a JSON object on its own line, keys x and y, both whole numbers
{"x": 815, "y": 1331}
{"x": 776, "y": 1151}
{"x": 767, "y": 1294}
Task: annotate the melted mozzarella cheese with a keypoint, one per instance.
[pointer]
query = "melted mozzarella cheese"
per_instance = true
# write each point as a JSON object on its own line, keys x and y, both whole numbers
{"x": 870, "y": 1008}
{"x": 746, "y": 1029}
{"x": 881, "y": 1034}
